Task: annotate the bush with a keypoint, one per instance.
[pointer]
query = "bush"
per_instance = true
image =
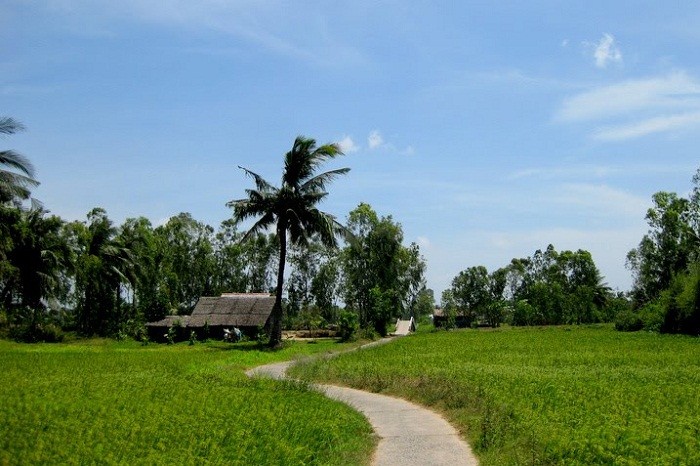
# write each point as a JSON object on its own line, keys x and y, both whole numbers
{"x": 628, "y": 321}
{"x": 47, "y": 333}
{"x": 652, "y": 315}
{"x": 348, "y": 324}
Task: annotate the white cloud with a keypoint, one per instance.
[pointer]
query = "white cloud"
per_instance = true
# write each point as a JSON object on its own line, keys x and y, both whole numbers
{"x": 269, "y": 24}
{"x": 649, "y": 126}
{"x": 585, "y": 171}
{"x": 565, "y": 43}
{"x": 606, "y": 51}
{"x": 675, "y": 90}
{"x": 347, "y": 145}
{"x": 601, "y": 200}
{"x": 375, "y": 140}
{"x": 636, "y": 108}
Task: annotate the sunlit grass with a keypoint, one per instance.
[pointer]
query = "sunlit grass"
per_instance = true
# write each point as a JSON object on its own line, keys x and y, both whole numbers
{"x": 121, "y": 403}
{"x": 546, "y": 396}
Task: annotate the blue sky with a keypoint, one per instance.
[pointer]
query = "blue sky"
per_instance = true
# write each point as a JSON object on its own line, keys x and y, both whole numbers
{"x": 486, "y": 129}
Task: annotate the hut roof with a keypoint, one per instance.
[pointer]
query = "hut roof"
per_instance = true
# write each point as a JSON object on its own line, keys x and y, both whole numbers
{"x": 169, "y": 321}
{"x": 230, "y": 310}
{"x": 240, "y": 310}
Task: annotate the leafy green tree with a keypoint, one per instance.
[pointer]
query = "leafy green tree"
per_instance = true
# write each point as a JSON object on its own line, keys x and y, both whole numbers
{"x": 230, "y": 261}
{"x": 325, "y": 287}
{"x": 382, "y": 278}
{"x": 291, "y": 209}
{"x": 665, "y": 250}
{"x": 470, "y": 289}
{"x": 261, "y": 252}
{"x": 17, "y": 175}
{"x": 103, "y": 266}
{"x": 34, "y": 271}
{"x": 449, "y": 308}
{"x": 304, "y": 264}
{"x": 188, "y": 264}
{"x": 148, "y": 253}
{"x": 424, "y": 305}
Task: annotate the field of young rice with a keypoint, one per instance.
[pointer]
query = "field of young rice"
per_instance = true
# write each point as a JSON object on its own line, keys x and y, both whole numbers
{"x": 566, "y": 395}
{"x": 100, "y": 402}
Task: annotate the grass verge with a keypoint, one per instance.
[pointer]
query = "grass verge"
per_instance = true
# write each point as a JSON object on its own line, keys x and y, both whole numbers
{"x": 572, "y": 395}
{"x": 120, "y": 403}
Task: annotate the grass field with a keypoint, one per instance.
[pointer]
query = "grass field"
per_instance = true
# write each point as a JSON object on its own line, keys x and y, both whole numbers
{"x": 545, "y": 396}
{"x": 101, "y": 402}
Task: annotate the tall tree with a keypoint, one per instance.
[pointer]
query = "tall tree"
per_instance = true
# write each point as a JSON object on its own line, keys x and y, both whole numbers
{"x": 103, "y": 266}
{"x": 16, "y": 171}
{"x": 665, "y": 250}
{"x": 382, "y": 278}
{"x": 291, "y": 209}
{"x": 189, "y": 260}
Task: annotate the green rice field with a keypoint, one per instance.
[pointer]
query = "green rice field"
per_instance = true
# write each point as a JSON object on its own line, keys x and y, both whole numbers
{"x": 564, "y": 395}
{"x": 103, "y": 402}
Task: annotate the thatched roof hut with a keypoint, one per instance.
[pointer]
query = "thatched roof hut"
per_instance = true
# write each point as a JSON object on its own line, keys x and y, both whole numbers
{"x": 246, "y": 311}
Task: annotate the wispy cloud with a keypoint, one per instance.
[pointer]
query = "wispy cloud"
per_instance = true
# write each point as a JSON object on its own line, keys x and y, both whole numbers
{"x": 269, "y": 24}
{"x": 375, "y": 139}
{"x": 586, "y": 171}
{"x": 636, "y": 108}
{"x": 347, "y": 145}
{"x": 597, "y": 171}
{"x": 601, "y": 200}
{"x": 606, "y": 51}
{"x": 649, "y": 126}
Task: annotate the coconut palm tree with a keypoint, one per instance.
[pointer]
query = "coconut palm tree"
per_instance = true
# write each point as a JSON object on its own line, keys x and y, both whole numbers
{"x": 13, "y": 185}
{"x": 292, "y": 209}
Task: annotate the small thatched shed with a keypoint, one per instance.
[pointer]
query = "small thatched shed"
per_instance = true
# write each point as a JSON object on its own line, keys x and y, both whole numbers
{"x": 211, "y": 315}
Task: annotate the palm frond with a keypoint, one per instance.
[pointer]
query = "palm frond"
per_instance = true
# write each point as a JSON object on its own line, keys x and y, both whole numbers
{"x": 301, "y": 162}
{"x": 320, "y": 181}
{"x": 17, "y": 161}
{"x": 9, "y": 125}
{"x": 260, "y": 182}
{"x": 261, "y": 225}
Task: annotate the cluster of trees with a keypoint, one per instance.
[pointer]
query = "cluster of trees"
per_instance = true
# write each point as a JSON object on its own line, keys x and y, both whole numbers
{"x": 101, "y": 279}
{"x": 377, "y": 276}
{"x": 666, "y": 267}
{"x": 566, "y": 287}
{"x": 549, "y": 288}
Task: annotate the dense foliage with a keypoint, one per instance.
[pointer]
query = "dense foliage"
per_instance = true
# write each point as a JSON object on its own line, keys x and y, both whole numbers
{"x": 559, "y": 395}
{"x": 666, "y": 267}
{"x": 382, "y": 277}
{"x": 549, "y": 288}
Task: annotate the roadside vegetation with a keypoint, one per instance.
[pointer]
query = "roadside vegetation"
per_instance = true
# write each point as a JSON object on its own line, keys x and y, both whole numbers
{"x": 106, "y": 402}
{"x": 552, "y": 395}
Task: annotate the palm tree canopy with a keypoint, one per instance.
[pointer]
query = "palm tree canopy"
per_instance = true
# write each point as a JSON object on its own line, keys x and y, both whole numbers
{"x": 292, "y": 206}
{"x": 14, "y": 185}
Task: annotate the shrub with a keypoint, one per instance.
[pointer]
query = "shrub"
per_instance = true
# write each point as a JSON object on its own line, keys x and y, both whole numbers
{"x": 628, "y": 321}
{"x": 652, "y": 315}
{"x": 348, "y": 324}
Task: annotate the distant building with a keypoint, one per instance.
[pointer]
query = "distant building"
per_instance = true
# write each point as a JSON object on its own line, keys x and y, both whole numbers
{"x": 211, "y": 315}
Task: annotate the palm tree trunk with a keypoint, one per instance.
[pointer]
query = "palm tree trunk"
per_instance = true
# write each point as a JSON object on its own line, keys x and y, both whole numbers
{"x": 276, "y": 324}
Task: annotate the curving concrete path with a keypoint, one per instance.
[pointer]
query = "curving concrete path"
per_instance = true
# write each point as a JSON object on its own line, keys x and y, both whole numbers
{"x": 408, "y": 434}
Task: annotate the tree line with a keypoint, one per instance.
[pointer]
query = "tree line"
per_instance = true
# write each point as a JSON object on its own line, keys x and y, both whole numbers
{"x": 98, "y": 278}
{"x": 666, "y": 266}
{"x": 552, "y": 288}
{"x": 548, "y": 288}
